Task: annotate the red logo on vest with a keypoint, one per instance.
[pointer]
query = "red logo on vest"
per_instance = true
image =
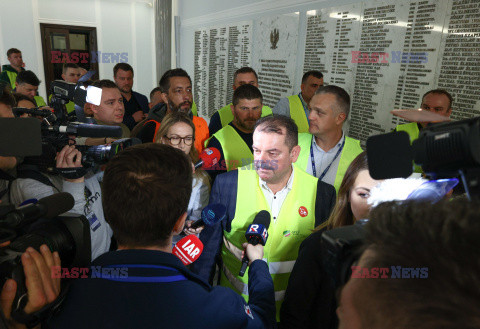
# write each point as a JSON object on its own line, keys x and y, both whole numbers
{"x": 303, "y": 211}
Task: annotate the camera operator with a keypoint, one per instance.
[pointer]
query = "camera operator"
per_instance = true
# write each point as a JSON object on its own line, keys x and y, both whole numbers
{"x": 34, "y": 182}
{"x": 42, "y": 287}
{"x": 146, "y": 189}
{"x": 110, "y": 111}
{"x": 439, "y": 239}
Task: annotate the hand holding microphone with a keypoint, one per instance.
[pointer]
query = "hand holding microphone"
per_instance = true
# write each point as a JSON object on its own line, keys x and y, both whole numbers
{"x": 252, "y": 252}
{"x": 211, "y": 214}
{"x": 256, "y": 235}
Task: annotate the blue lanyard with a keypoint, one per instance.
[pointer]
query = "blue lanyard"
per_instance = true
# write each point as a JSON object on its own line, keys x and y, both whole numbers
{"x": 304, "y": 107}
{"x": 314, "y": 169}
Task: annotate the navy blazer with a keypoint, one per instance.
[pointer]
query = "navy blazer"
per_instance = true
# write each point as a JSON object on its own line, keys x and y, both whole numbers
{"x": 224, "y": 191}
{"x": 152, "y": 289}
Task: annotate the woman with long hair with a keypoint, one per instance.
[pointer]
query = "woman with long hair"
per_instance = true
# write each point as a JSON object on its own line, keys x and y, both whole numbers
{"x": 178, "y": 130}
{"x": 310, "y": 295}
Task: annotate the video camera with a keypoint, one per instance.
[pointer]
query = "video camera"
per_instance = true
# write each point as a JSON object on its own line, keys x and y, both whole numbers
{"x": 33, "y": 225}
{"x": 57, "y": 131}
{"x": 443, "y": 150}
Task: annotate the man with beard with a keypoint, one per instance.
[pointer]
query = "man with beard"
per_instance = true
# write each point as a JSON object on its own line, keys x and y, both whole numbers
{"x": 176, "y": 87}
{"x": 234, "y": 141}
{"x": 136, "y": 104}
{"x": 296, "y": 201}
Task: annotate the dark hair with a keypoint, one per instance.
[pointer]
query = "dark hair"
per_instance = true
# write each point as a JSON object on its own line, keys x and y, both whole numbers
{"x": 342, "y": 212}
{"x": 123, "y": 67}
{"x": 164, "y": 82}
{"x": 20, "y": 97}
{"x": 275, "y": 123}
{"x": 242, "y": 70}
{"x": 27, "y": 77}
{"x": 154, "y": 90}
{"x": 314, "y": 73}
{"x": 6, "y": 96}
{"x": 441, "y": 237}
{"x": 440, "y": 92}
{"x": 67, "y": 66}
{"x": 145, "y": 189}
{"x": 246, "y": 92}
{"x": 105, "y": 83}
{"x": 13, "y": 51}
{"x": 343, "y": 99}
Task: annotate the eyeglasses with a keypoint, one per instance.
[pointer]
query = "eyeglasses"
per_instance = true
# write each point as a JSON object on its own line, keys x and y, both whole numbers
{"x": 175, "y": 140}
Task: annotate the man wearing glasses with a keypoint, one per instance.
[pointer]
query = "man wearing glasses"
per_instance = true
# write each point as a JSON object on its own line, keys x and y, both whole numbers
{"x": 234, "y": 141}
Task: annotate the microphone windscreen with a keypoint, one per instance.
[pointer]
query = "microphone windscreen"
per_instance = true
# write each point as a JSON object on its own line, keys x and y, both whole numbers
{"x": 188, "y": 249}
{"x": 213, "y": 213}
{"x": 390, "y": 155}
{"x": 56, "y": 204}
{"x": 210, "y": 157}
{"x": 89, "y": 130}
{"x": 263, "y": 218}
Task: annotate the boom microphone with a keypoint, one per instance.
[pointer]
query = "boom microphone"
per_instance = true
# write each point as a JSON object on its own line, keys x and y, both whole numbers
{"x": 48, "y": 208}
{"x": 188, "y": 249}
{"x": 208, "y": 158}
{"x": 211, "y": 214}
{"x": 18, "y": 111}
{"x": 256, "y": 233}
{"x": 88, "y": 130}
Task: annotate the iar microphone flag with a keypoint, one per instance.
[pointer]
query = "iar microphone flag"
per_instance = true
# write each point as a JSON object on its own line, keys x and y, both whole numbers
{"x": 255, "y": 234}
{"x": 188, "y": 249}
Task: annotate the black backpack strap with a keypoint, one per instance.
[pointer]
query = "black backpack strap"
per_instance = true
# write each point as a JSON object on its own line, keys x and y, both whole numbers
{"x": 36, "y": 175}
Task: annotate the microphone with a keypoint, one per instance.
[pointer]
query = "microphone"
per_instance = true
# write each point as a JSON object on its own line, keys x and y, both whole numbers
{"x": 35, "y": 112}
{"x": 188, "y": 249}
{"x": 48, "y": 207}
{"x": 211, "y": 214}
{"x": 208, "y": 158}
{"x": 88, "y": 130}
{"x": 256, "y": 233}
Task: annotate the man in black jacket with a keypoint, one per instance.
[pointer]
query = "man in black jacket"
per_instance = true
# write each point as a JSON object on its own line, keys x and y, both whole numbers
{"x": 136, "y": 104}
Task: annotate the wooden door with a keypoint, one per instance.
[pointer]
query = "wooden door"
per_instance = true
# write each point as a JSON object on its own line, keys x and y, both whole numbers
{"x": 67, "y": 44}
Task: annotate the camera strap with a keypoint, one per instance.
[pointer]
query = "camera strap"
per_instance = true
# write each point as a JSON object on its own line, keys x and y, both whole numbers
{"x": 72, "y": 173}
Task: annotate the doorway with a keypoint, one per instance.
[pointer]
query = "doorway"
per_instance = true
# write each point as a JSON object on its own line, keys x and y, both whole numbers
{"x": 67, "y": 44}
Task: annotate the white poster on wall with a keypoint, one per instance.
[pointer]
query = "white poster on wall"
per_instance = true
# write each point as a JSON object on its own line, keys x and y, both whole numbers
{"x": 219, "y": 52}
{"x": 332, "y": 35}
{"x": 459, "y": 69}
{"x": 275, "y": 56}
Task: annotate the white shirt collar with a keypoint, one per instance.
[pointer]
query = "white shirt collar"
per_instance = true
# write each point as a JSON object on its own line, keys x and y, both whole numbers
{"x": 288, "y": 187}
{"x": 335, "y": 148}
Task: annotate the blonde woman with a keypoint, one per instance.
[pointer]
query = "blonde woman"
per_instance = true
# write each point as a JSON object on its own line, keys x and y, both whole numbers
{"x": 310, "y": 296}
{"x": 178, "y": 131}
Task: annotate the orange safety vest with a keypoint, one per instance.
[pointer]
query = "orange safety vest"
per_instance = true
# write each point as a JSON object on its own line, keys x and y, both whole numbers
{"x": 201, "y": 132}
